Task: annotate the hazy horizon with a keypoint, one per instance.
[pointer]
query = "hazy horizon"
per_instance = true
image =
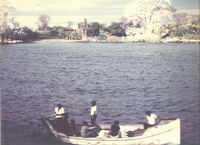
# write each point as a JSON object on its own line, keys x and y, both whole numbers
{"x": 61, "y": 11}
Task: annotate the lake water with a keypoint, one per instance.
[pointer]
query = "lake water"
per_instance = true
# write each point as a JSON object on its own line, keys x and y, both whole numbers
{"x": 126, "y": 80}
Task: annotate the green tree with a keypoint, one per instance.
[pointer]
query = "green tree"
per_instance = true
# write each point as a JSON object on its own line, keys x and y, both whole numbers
{"x": 6, "y": 11}
{"x": 123, "y": 22}
{"x": 27, "y": 34}
{"x": 7, "y": 33}
{"x": 75, "y": 36}
{"x": 93, "y": 29}
{"x": 61, "y": 32}
{"x": 43, "y": 22}
{"x": 68, "y": 35}
{"x": 54, "y": 30}
{"x": 116, "y": 29}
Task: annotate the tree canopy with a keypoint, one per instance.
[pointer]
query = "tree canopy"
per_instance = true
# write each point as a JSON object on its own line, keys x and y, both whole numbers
{"x": 93, "y": 29}
{"x": 43, "y": 22}
{"x": 116, "y": 29}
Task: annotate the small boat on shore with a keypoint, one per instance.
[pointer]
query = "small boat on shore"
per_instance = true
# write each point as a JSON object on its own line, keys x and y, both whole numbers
{"x": 167, "y": 132}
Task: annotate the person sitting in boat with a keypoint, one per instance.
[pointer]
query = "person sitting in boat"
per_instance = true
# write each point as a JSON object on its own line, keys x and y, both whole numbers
{"x": 84, "y": 129}
{"x": 93, "y": 113}
{"x": 87, "y": 131}
{"x": 73, "y": 129}
{"x": 151, "y": 120}
{"x": 115, "y": 129}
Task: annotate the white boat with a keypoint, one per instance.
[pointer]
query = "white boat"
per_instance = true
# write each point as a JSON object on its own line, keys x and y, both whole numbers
{"x": 167, "y": 132}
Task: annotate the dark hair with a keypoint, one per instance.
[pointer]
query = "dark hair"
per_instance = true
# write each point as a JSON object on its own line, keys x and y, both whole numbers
{"x": 59, "y": 105}
{"x": 148, "y": 113}
{"x": 85, "y": 123}
{"x": 93, "y": 103}
{"x": 116, "y": 122}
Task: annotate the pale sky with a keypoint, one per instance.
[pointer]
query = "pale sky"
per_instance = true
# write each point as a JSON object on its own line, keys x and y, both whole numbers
{"x": 61, "y": 11}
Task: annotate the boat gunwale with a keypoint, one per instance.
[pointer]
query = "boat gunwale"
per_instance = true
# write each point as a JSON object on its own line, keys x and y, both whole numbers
{"x": 113, "y": 138}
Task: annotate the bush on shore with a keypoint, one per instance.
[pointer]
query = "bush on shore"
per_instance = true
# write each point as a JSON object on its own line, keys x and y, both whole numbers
{"x": 23, "y": 34}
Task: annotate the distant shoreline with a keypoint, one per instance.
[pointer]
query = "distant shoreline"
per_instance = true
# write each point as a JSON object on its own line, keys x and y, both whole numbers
{"x": 103, "y": 41}
{"x": 59, "y": 40}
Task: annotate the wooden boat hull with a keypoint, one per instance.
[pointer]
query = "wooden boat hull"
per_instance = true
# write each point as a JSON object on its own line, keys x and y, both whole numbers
{"x": 166, "y": 132}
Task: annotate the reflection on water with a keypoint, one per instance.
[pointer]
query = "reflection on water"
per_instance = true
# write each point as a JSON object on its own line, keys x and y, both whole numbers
{"x": 126, "y": 80}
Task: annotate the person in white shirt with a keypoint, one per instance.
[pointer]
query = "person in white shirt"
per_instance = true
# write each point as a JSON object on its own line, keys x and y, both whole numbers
{"x": 151, "y": 119}
{"x": 93, "y": 113}
{"x": 59, "y": 111}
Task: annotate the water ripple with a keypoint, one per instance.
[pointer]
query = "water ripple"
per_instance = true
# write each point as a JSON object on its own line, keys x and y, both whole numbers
{"x": 126, "y": 80}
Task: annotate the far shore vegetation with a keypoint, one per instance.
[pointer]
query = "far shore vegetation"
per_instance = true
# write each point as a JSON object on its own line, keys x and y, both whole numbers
{"x": 180, "y": 27}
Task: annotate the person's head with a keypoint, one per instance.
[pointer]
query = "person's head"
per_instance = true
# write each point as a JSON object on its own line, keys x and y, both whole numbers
{"x": 148, "y": 113}
{"x": 93, "y": 103}
{"x": 116, "y": 122}
{"x": 59, "y": 105}
{"x": 85, "y": 123}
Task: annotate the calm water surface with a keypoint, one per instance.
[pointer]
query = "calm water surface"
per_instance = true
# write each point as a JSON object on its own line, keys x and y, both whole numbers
{"x": 126, "y": 80}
